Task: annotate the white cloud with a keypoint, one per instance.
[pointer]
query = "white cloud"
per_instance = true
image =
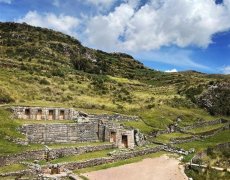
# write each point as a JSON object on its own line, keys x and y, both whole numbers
{"x": 66, "y": 24}
{"x": 171, "y": 71}
{"x": 160, "y": 23}
{"x": 6, "y": 1}
{"x": 104, "y": 31}
{"x": 226, "y": 70}
{"x": 101, "y": 4}
{"x": 172, "y": 56}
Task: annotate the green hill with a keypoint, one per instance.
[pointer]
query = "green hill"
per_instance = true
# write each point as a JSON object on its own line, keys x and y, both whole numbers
{"x": 43, "y": 67}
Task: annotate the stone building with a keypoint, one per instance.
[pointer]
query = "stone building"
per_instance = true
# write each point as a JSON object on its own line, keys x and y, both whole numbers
{"x": 84, "y": 129}
{"x": 111, "y": 132}
{"x": 44, "y": 113}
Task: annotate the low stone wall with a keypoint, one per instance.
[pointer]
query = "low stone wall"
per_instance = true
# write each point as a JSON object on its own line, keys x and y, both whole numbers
{"x": 61, "y": 133}
{"x": 214, "y": 131}
{"x": 96, "y": 161}
{"x": 204, "y": 135}
{"x": 204, "y": 123}
{"x": 104, "y": 160}
{"x": 184, "y": 140}
{"x": 114, "y": 117}
{"x": 159, "y": 132}
{"x": 16, "y": 173}
{"x": 223, "y": 146}
{"x": 54, "y": 153}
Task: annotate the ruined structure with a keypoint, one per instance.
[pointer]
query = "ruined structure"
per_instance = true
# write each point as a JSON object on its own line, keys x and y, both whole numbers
{"x": 86, "y": 128}
{"x": 44, "y": 113}
{"x": 114, "y": 133}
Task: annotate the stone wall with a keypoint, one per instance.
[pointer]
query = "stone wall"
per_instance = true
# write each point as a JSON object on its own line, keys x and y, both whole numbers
{"x": 114, "y": 117}
{"x": 203, "y": 124}
{"x": 114, "y": 158}
{"x": 223, "y": 146}
{"x": 61, "y": 133}
{"x": 117, "y": 134}
{"x": 204, "y": 135}
{"x": 91, "y": 131}
{"x": 186, "y": 128}
{"x": 54, "y": 153}
{"x": 96, "y": 161}
{"x": 44, "y": 113}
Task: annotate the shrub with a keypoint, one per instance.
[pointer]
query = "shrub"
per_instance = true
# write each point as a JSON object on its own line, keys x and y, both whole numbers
{"x": 58, "y": 72}
{"x": 44, "y": 81}
{"x": 5, "y": 97}
{"x": 150, "y": 106}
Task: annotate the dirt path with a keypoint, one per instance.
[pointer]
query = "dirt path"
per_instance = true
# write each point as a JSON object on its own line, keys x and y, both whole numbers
{"x": 161, "y": 168}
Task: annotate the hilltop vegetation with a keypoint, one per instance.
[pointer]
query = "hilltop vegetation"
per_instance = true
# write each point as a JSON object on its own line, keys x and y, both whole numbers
{"x": 43, "y": 67}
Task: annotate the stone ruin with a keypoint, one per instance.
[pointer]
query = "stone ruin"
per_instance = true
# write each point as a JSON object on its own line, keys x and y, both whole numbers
{"x": 44, "y": 113}
{"x": 87, "y": 128}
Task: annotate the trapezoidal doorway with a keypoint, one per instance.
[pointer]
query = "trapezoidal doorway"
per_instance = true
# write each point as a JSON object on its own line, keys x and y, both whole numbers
{"x": 39, "y": 115}
{"x": 62, "y": 115}
{"x": 51, "y": 115}
{"x": 27, "y": 113}
{"x": 125, "y": 140}
{"x": 113, "y": 137}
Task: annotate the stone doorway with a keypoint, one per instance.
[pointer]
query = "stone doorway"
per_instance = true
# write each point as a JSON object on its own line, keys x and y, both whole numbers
{"x": 27, "y": 113}
{"x": 39, "y": 114}
{"x": 125, "y": 140}
{"x": 62, "y": 115}
{"x": 113, "y": 137}
{"x": 51, "y": 115}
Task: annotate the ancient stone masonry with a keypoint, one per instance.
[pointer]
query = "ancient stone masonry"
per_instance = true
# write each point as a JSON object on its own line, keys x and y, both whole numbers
{"x": 54, "y": 153}
{"x": 114, "y": 133}
{"x": 114, "y": 117}
{"x": 113, "y": 158}
{"x": 79, "y": 132}
{"x": 44, "y": 113}
{"x": 86, "y": 128}
{"x": 96, "y": 161}
{"x": 61, "y": 133}
{"x": 203, "y": 124}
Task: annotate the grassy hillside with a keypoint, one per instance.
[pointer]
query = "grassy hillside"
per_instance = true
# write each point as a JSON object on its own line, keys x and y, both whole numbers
{"x": 42, "y": 67}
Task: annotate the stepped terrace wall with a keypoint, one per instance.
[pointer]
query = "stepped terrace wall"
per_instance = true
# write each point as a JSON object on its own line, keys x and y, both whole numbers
{"x": 61, "y": 133}
{"x": 54, "y": 153}
{"x": 91, "y": 131}
{"x": 204, "y": 123}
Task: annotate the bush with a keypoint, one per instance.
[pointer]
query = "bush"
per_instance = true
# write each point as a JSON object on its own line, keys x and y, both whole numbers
{"x": 5, "y": 97}
{"x": 150, "y": 106}
{"x": 58, "y": 72}
{"x": 226, "y": 153}
{"x": 44, "y": 81}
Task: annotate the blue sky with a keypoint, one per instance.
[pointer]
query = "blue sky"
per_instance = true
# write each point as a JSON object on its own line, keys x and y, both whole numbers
{"x": 167, "y": 35}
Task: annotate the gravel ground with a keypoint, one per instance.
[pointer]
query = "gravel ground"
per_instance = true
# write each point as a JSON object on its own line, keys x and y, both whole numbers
{"x": 161, "y": 168}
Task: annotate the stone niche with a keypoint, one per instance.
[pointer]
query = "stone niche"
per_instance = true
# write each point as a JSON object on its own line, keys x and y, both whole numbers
{"x": 110, "y": 132}
{"x": 44, "y": 113}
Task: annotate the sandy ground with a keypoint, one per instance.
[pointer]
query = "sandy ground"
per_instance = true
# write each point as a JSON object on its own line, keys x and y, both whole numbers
{"x": 161, "y": 168}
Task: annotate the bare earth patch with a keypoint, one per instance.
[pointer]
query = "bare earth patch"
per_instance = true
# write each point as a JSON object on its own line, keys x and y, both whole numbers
{"x": 161, "y": 168}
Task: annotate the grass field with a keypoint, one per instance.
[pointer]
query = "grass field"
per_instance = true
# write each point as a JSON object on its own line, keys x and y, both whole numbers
{"x": 205, "y": 129}
{"x": 81, "y": 157}
{"x": 219, "y": 138}
{"x": 12, "y": 168}
{"x": 165, "y": 138}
